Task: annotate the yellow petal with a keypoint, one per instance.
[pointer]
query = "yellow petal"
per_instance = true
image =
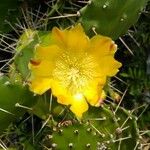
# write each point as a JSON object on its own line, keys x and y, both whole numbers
{"x": 49, "y": 53}
{"x": 108, "y": 66}
{"x": 63, "y": 97}
{"x": 77, "y": 40}
{"x": 73, "y": 39}
{"x": 43, "y": 69}
{"x": 93, "y": 91}
{"x": 79, "y": 105}
{"x": 59, "y": 37}
{"x": 101, "y": 98}
{"x": 101, "y": 46}
{"x": 44, "y": 60}
{"x": 40, "y": 85}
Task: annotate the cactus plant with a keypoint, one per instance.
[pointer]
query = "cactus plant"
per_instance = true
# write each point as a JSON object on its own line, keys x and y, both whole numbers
{"x": 106, "y": 127}
{"x": 110, "y": 17}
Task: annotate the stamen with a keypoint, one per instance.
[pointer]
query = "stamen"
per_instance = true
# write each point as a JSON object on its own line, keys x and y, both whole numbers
{"x": 74, "y": 71}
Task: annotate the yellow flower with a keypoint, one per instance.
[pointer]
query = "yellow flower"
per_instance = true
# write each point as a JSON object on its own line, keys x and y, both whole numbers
{"x": 74, "y": 67}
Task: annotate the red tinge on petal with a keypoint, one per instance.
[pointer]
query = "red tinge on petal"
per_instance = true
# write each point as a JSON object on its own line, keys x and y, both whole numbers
{"x": 35, "y": 62}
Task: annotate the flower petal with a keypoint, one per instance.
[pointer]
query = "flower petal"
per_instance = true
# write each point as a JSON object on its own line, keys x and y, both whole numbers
{"x": 73, "y": 39}
{"x": 40, "y": 85}
{"x": 79, "y": 106}
{"x": 49, "y": 53}
{"x": 101, "y": 98}
{"x": 63, "y": 97}
{"x": 77, "y": 40}
{"x": 44, "y": 60}
{"x": 101, "y": 46}
{"x": 108, "y": 66}
{"x": 94, "y": 90}
{"x": 59, "y": 37}
{"x": 42, "y": 69}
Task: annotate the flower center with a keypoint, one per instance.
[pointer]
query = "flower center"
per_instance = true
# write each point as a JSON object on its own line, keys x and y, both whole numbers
{"x": 74, "y": 71}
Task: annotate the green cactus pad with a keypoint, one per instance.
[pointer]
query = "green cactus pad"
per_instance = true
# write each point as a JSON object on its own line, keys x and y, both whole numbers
{"x": 12, "y": 95}
{"x": 75, "y": 136}
{"x": 101, "y": 128}
{"x": 110, "y": 17}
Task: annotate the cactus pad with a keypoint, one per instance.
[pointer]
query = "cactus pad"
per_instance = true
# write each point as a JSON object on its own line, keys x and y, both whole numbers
{"x": 12, "y": 95}
{"x": 110, "y": 17}
{"x": 101, "y": 128}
